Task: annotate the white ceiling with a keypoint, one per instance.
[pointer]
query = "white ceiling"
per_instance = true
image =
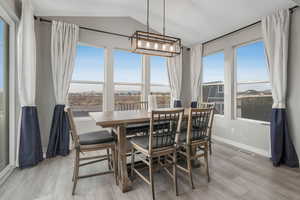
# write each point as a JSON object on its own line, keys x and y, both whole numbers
{"x": 192, "y": 20}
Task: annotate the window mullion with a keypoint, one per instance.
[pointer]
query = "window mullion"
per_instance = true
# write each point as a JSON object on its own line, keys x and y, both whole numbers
{"x": 108, "y": 104}
{"x": 145, "y": 77}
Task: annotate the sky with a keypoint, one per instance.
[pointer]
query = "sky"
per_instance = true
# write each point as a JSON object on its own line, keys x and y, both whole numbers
{"x": 89, "y": 65}
{"x": 127, "y": 67}
{"x": 250, "y": 63}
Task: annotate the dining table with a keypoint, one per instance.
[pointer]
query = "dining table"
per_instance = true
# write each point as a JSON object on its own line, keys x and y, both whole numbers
{"x": 118, "y": 121}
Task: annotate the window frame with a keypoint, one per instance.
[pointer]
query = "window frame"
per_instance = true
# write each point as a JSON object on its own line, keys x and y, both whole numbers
{"x": 236, "y": 83}
{"x": 222, "y": 50}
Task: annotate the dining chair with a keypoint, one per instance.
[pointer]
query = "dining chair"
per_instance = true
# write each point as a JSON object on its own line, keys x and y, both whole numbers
{"x": 213, "y": 107}
{"x": 139, "y": 128}
{"x": 91, "y": 142}
{"x": 196, "y": 138}
{"x": 159, "y": 146}
{"x": 143, "y": 105}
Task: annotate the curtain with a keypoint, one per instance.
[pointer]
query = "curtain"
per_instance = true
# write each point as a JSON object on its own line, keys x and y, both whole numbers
{"x": 196, "y": 71}
{"x": 275, "y": 30}
{"x": 174, "y": 66}
{"x": 64, "y": 38}
{"x": 29, "y": 146}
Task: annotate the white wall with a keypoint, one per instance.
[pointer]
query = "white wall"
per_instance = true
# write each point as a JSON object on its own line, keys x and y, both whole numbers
{"x": 124, "y": 25}
{"x": 12, "y": 7}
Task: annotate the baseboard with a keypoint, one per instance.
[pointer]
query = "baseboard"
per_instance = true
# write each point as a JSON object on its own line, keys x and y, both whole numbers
{"x": 5, "y": 173}
{"x": 255, "y": 150}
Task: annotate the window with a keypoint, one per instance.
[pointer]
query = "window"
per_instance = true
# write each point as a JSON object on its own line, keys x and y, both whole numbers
{"x": 253, "y": 93}
{"x": 213, "y": 80}
{"x": 86, "y": 89}
{"x": 4, "y": 93}
{"x": 127, "y": 76}
{"x": 159, "y": 81}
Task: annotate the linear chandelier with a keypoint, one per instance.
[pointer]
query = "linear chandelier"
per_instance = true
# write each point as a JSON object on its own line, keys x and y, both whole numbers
{"x": 153, "y": 43}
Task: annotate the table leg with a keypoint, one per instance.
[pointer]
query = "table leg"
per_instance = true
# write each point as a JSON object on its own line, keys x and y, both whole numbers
{"x": 124, "y": 181}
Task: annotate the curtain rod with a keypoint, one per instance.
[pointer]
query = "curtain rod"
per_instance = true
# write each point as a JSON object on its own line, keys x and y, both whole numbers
{"x": 245, "y": 27}
{"x": 90, "y": 29}
{"x": 129, "y": 37}
{"x": 86, "y": 28}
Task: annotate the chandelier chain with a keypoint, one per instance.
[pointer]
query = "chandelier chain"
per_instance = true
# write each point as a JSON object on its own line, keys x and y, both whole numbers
{"x": 147, "y": 15}
{"x": 164, "y": 18}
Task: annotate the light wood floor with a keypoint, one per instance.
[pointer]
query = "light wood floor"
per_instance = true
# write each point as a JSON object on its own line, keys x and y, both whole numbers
{"x": 234, "y": 175}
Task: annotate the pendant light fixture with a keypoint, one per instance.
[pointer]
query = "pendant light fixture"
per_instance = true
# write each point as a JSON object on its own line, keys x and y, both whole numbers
{"x": 153, "y": 43}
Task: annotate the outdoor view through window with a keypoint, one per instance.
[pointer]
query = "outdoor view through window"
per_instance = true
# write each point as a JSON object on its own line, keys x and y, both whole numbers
{"x": 127, "y": 77}
{"x": 213, "y": 80}
{"x": 254, "y": 97}
{"x": 4, "y": 114}
{"x": 86, "y": 89}
{"x": 159, "y": 81}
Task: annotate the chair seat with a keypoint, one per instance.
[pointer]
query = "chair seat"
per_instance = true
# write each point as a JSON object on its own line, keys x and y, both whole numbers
{"x": 182, "y": 137}
{"x": 97, "y": 137}
{"x": 137, "y": 127}
{"x": 143, "y": 142}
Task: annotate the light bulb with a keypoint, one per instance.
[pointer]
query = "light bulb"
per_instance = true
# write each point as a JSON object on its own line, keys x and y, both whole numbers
{"x": 164, "y": 47}
{"x": 139, "y": 43}
{"x": 155, "y": 46}
{"x": 172, "y": 48}
{"x": 148, "y": 44}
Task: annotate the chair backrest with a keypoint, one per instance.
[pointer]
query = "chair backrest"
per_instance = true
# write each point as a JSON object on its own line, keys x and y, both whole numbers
{"x": 211, "y": 105}
{"x": 73, "y": 130}
{"x": 132, "y": 106}
{"x": 164, "y": 128}
{"x": 199, "y": 124}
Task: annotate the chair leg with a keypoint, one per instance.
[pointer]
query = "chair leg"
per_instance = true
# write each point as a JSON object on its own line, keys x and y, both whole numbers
{"x": 175, "y": 173}
{"x": 206, "y": 161}
{"x": 76, "y": 171}
{"x": 189, "y": 165}
{"x": 132, "y": 161}
{"x": 108, "y": 159}
{"x": 210, "y": 149}
{"x": 74, "y": 168}
{"x": 151, "y": 177}
{"x": 114, "y": 158}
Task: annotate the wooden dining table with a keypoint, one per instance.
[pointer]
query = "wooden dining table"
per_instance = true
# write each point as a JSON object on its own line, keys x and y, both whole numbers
{"x": 118, "y": 120}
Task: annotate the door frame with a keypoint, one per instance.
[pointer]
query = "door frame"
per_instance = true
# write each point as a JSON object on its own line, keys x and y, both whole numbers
{"x": 12, "y": 22}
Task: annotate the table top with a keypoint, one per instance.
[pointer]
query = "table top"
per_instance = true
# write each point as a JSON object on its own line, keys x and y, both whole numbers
{"x": 115, "y": 118}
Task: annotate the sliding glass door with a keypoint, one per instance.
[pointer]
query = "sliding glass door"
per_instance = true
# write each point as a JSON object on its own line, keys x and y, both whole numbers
{"x": 4, "y": 130}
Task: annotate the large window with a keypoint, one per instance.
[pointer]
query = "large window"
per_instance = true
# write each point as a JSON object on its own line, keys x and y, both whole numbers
{"x": 127, "y": 77}
{"x": 213, "y": 80}
{"x": 86, "y": 90}
{"x": 253, "y": 93}
{"x": 4, "y": 107}
{"x": 159, "y": 81}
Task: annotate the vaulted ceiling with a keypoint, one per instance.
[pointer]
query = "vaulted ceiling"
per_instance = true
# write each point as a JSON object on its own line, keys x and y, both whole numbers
{"x": 192, "y": 20}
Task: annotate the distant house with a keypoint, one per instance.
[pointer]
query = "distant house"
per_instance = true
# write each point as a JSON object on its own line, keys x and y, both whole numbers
{"x": 214, "y": 92}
